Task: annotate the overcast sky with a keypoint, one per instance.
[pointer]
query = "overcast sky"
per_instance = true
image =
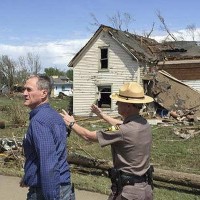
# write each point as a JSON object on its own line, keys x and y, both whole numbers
{"x": 57, "y": 29}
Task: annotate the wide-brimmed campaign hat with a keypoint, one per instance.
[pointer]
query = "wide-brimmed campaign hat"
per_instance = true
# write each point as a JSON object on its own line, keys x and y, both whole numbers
{"x": 131, "y": 93}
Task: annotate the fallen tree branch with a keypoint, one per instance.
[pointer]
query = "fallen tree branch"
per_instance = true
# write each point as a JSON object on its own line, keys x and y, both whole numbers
{"x": 168, "y": 176}
{"x": 74, "y": 158}
{"x": 179, "y": 178}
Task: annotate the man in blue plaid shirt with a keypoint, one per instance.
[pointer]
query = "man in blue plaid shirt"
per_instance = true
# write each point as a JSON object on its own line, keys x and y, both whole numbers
{"x": 46, "y": 170}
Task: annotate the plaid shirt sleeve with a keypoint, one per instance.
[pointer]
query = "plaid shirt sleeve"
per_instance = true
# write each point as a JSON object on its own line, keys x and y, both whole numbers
{"x": 45, "y": 148}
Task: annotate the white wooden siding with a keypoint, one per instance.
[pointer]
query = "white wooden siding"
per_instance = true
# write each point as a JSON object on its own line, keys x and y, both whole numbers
{"x": 122, "y": 68}
{"x": 193, "y": 83}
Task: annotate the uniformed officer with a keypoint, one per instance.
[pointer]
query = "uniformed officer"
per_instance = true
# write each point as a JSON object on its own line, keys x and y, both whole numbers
{"x": 130, "y": 142}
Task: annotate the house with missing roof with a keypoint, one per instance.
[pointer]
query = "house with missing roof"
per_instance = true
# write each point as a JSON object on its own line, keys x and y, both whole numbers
{"x": 104, "y": 64}
{"x": 181, "y": 59}
{"x": 179, "y": 64}
{"x": 111, "y": 58}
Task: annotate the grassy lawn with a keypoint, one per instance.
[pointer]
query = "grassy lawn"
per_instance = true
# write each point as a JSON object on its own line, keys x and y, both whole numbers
{"x": 171, "y": 152}
{"x": 168, "y": 152}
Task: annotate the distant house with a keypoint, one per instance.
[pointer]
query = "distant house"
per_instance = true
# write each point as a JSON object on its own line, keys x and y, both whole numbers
{"x": 61, "y": 85}
{"x": 112, "y": 57}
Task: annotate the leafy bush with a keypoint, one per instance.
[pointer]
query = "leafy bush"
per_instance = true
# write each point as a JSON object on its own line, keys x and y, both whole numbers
{"x": 18, "y": 115}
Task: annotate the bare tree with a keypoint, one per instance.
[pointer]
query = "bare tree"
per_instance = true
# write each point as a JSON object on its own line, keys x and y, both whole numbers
{"x": 7, "y": 68}
{"x": 30, "y": 63}
{"x": 127, "y": 20}
{"x": 22, "y": 70}
{"x": 118, "y": 21}
{"x": 12, "y": 72}
{"x": 164, "y": 26}
{"x": 34, "y": 63}
{"x": 191, "y": 29}
{"x": 95, "y": 23}
{"x": 147, "y": 35}
{"x": 95, "y": 20}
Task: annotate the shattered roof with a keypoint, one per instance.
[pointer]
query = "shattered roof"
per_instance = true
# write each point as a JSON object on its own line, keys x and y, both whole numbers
{"x": 141, "y": 47}
{"x": 147, "y": 49}
{"x": 173, "y": 94}
{"x": 178, "y": 50}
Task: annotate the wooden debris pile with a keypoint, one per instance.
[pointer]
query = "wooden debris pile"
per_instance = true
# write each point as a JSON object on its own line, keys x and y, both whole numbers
{"x": 11, "y": 152}
{"x": 177, "y": 99}
{"x": 186, "y": 132}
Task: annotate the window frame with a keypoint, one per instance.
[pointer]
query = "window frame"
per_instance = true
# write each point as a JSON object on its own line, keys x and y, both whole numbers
{"x": 103, "y": 58}
{"x": 99, "y": 103}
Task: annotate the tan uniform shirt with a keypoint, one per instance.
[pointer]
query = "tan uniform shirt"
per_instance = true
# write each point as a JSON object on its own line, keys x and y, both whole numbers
{"x": 130, "y": 145}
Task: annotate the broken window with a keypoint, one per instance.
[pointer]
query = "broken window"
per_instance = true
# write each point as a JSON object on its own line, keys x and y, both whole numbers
{"x": 104, "y": 58}
{"x": 104, "y": 100}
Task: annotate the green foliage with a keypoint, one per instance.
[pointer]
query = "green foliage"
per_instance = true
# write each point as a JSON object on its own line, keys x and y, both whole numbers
{"x": 70, "y": 74}
{"x": 51, "y": 71}
{"x": 60, "y": 103}
{"x": 86, "y": 182}
{"x": 12, "y": 111}
{"x": 174, "y": 192}
{"x": 18, "y": 115}
{"x": 172, "y": 152}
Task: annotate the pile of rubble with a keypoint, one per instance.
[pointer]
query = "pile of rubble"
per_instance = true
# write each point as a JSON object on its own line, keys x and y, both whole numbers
{"x": 175, "y": 104}
{"x": 7, "y": 144}
{"x": 179, "y": 99}
{"x": 11, "y": 152}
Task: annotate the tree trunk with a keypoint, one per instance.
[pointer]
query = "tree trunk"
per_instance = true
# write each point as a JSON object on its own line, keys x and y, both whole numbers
{"x": 84, "y": 161}
{"x": 168, "y": 176}
{"x": 178, "y": 178}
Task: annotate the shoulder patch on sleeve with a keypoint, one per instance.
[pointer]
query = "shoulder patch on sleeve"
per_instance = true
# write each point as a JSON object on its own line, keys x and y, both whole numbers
{"x": 112, "y": 128}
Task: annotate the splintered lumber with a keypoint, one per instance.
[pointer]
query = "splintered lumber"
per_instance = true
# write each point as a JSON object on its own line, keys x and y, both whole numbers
{"x": 172, "y": 94}
{"x": 167, "y": 176}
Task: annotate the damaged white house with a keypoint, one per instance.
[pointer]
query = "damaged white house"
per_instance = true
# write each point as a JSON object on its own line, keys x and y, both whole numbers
{"x": 111, "y": 58}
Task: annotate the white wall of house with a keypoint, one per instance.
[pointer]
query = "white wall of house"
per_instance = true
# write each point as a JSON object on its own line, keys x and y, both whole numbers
{"x": 64, "y": 88}
{"x": 87, "y": 77}
{"x": 193, "y": 83}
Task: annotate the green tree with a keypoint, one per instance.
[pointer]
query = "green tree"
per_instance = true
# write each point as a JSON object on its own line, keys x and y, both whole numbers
{"x": 51, "y": 71}
{"x": 70, "y": 74}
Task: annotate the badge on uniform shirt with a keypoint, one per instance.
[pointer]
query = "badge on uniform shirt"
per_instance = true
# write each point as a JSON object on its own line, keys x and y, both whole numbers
{"x": 112, "y": 128}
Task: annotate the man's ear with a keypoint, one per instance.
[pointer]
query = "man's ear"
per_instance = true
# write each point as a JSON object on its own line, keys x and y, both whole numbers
{"x": 44, "y": 93}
